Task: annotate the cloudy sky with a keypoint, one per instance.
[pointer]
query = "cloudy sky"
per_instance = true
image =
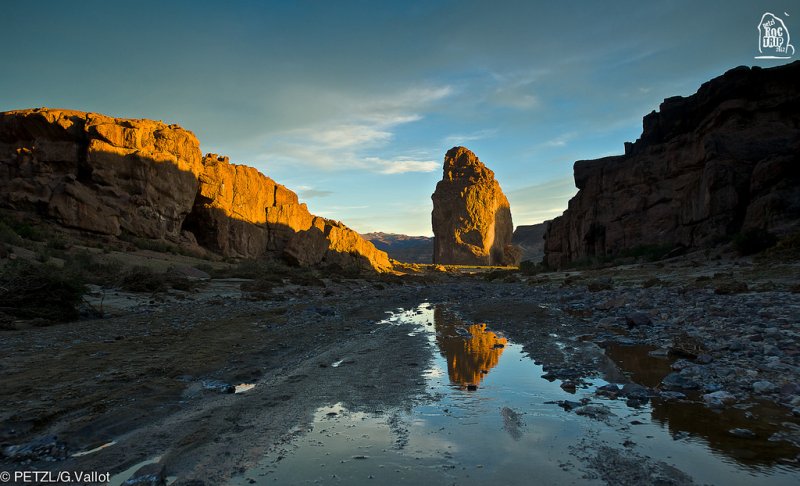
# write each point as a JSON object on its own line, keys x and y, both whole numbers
{"x": 353, "y": 104}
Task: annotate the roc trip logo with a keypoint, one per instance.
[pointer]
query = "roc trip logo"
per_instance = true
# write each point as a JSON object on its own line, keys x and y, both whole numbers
{"x": 773, "y": 38}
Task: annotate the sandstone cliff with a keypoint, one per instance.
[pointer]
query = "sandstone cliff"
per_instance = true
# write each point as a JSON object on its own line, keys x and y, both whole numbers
{"x": 147, "y": 179}
{"x": 471, "y": 216}
{"x": 707, "y": 166}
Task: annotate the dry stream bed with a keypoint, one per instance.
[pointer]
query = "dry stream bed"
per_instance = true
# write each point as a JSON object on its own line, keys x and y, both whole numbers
{"x": 586, "y": 377}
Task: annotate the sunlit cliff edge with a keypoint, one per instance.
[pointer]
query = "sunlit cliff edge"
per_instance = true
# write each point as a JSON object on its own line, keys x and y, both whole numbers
{"x": 116, "y": 176}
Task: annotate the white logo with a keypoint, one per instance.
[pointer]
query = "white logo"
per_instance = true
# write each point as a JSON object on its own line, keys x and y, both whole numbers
{"x": 773, "y": 38}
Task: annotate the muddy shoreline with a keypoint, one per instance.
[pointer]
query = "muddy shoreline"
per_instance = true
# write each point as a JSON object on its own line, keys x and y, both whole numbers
{"x": 149, "y": 380}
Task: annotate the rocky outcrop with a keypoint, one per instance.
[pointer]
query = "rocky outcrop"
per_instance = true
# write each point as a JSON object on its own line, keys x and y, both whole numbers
{"x": 147, "y": 179}
{"x": 471, "y": 216}
{"x": 721, "y": 161}
{"x": 98, "y": 173}
{"x": 403, "y": 248}
{"x": 530, "y": 239}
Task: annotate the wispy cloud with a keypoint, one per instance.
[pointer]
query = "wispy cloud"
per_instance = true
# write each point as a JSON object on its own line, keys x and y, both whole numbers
{"x": 401, "y": 165}
{"x": 540, "y": 202}
{"x": 459, "y": 139}
{"x": 561, "y": 140}
{"x": 350, "y": 140}
{"x": 306, "y": 192}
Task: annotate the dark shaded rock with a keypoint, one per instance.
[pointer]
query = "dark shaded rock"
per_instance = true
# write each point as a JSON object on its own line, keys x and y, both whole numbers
{"x": 706, "y": 167}
{"x": 676, "y": 380}
{"x": 638, "y": 319}
{"x": 743, "y": 433}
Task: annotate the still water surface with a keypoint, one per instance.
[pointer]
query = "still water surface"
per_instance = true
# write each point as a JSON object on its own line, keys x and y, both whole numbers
{"x": 489, "y": 416}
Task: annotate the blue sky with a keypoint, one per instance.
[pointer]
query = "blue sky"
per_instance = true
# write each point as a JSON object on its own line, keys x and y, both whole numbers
{"x": 353, "y": 104}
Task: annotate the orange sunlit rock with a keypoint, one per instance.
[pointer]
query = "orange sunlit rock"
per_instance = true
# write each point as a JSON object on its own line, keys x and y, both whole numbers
{"x": 469, "y": 359}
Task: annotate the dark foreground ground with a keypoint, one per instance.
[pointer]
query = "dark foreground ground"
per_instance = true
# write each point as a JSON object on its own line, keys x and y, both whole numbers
{"x": 154, "y": 380}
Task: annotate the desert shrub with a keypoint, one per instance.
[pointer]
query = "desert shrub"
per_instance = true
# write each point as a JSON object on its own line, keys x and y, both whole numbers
{"x": 30, "y": 291}
{"x": 142, "y": 279}
{"x": 8, "y": 235}
{"x": 753, "y": 241}
{"x": 57, "y": 242}
{"x": 787, "y": 248}
{"x": 529, "y": 267}
{"x": 94, "y": 270}
{"x": 497, "y": 274}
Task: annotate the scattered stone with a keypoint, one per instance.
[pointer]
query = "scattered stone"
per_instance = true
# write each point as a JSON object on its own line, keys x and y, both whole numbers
{"x": 733, "y": 287}
{"x": 148, "y": 475}
{"x": 568, "y": 386}
{"x": 597, "y": 412}
{"x": 633, "y": 390}
{"x": 742, "y": 433}
{"x": 719, "y": 399}
{"x": 676, "y": 380}
{"x": 47, "y": 448}
{"x": 637, "y": 319}
{"x": 704, "y": 359}
{"x": 762, "y": 387}
{"x": 610, "y": 391}
{"x": 687, "y": 346}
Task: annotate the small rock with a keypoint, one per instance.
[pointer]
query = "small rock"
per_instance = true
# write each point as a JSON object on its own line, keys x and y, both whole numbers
{"x": 672, "y": 395}
{"x": 718, "y": 399}
{"x": 568, "y": 386}
{"x": 597, "y": 412}
{"x": 762, "y": 387}
{"x": 610, "y": 391}
{"x": 148, "y": 475}
{"x": 742, "y": 433}
{"x": 675, "y": 380}
{"x": 633, "y": 390}
{"x": 637, "y": 319}
{"x": 568, "y": 404}
{"x": 704, "y": 359}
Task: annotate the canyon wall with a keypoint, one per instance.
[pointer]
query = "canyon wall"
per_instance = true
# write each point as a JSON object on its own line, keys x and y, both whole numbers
{"x": 723, "y": 160}
{"x": 147, "y": 179}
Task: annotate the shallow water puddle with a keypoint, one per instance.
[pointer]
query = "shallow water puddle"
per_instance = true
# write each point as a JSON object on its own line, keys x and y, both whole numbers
{"x": 490, "y": 416}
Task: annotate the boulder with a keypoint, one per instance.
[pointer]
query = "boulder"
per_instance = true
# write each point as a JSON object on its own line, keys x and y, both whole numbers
{"x": 708, "y": 166}
{"x": 471, "y": 216}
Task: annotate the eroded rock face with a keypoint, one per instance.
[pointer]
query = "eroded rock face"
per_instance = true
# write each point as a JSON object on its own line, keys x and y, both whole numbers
{"x": 98, "y": 173}
{"x": 148, "y": 179}
{"x": 471, "y": 216}
{"x": 723, "y": 160}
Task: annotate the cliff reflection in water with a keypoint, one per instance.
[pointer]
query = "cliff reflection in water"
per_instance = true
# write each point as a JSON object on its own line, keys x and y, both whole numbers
{"x": 470, "y": 350}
